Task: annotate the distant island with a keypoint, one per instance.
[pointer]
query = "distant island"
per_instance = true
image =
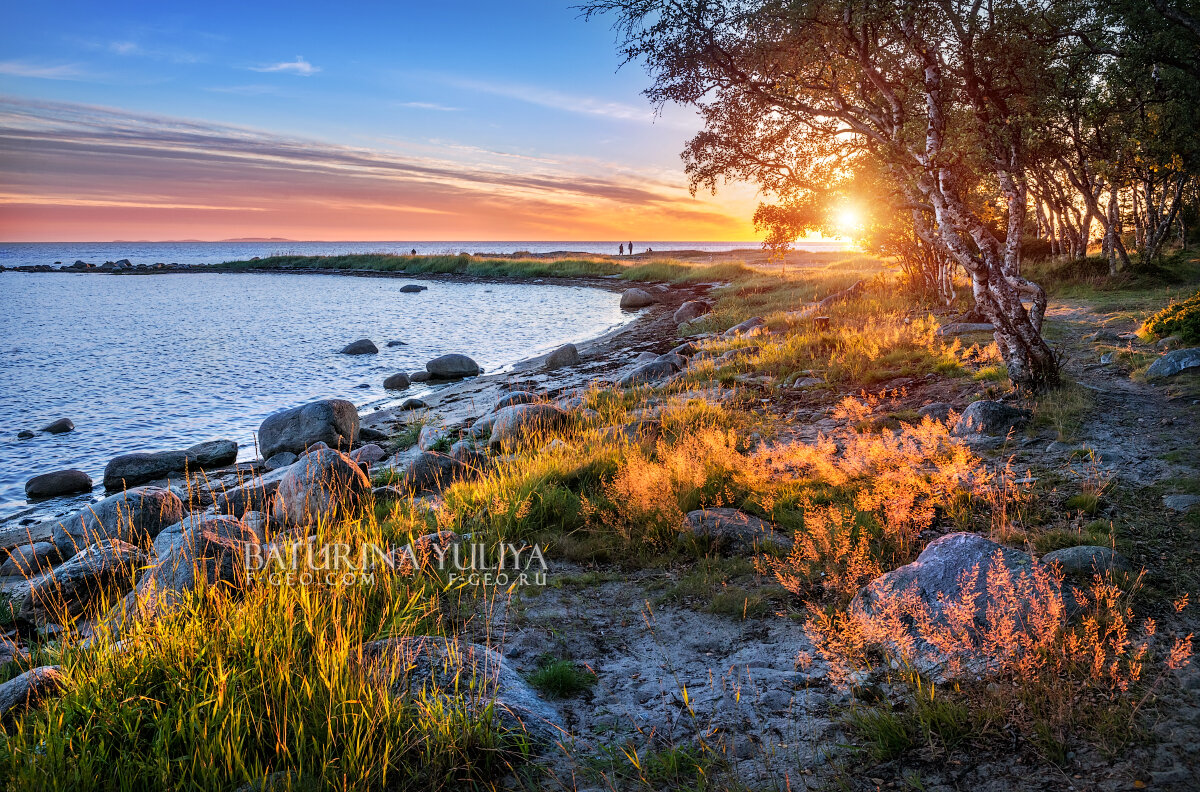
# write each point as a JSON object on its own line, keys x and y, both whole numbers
{"x": 180, "y": 241}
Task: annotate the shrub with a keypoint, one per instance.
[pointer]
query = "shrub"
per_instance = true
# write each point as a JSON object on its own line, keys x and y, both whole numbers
{"x": 1180, "y": 318}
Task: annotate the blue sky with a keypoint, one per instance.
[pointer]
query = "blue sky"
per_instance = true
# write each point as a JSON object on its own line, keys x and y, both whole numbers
{"x": 498, "y": 90}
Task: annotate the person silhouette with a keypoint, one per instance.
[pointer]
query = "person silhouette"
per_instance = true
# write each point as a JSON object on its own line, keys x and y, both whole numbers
{"x": 414, "y": 251}
{"x": 631, "y": 248}
{"x": 621, "y": 248}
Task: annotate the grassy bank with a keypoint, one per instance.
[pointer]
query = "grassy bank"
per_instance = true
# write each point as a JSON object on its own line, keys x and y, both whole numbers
{"x": 235, "y": 687}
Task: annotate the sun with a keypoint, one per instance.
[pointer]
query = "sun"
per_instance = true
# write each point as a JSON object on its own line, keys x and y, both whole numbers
{"x": 847, "y": 219}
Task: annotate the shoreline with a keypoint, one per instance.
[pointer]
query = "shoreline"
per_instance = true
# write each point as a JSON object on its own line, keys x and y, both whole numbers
{"x": 454, "y": 400}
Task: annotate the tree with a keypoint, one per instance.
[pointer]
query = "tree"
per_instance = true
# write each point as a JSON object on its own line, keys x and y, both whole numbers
{"x": 943, "y": 93}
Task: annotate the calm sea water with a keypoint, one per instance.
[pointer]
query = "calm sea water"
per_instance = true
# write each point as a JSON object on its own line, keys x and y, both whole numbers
{"x": 32, "y": 253}
{"x": 163, "y": 362}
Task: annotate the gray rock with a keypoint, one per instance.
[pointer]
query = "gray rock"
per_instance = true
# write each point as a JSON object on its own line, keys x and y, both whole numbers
{"x": 645, "y": 357}
{"x": 452, "y": 366}
{"x": 692, "y": 309}
{"x": 25, "y": 434}
{"x": 936, "y": 577}
{"x": 1104, "y": 336}
{"x": 420, "y": 376}
{"x": 281, "y": 460}
{"x": 651, "y": 371}
{"x": 60, "y": 482}
{"x": 565, "y": 355}
{"x": 412, "y": 288}
{"x": 514, "y": 398}
{"x": 31, "y": 559}
{"x": 129, "y": 470}
{"x": 29, "y": 690}
{"x": 1182, "y": 503}
{"x": 431, "y": 472}
{"x": 1170, "y": 342}
{"x": 61, "y": 426}
{"x": 991, "y": 418}
{"x": 397, "y": 382}
{"x": 88, "y": 578}
{"x": 632, "y": 299}
{"x": 253, "y": 495}
{"x": 1084, "y": 561}
{"x": 518, "y": 422}
{"x": 368, "y": 435}
{"x": 397, "y": 343}
{"x": 321, "y": 487}
{"x": 959, "y": 328}
{"x": 363, "y": 346}
{"x": 431, "y": 435}
{"x": 331, "y": 421}
{"x": 938, "y": 411}
{"x": 482, "y": 428}
{"x": 809, "y": 382}
{"x": 15, "y": 534}
{"x": 444, "y": 667}
{"x": 1108, "y": 357}
{"x": 678, "y": 361}
{"x": 413, "y": 404}
{"x": 1173, "y": 363}
{"x": 749, "y": 327}
{"x": 733, "y": 531}
{"x": 686, "y": 349}
{"x": 208, "y": 549}
{"x": 369, "y": 453}
{"x": 134, "y": 516}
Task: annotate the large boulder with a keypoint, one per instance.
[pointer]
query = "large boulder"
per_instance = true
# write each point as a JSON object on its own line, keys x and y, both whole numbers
{"x": 321, "y": 487}
{"x": 692, "y": 309}
{"x": 990, "y": 418}
{"x": 135, "y": 516}
{"x": 1172, "y": 363}
{"x": 31, "y": 559}
{"x": 632, "y": 299}
{"x": 514, "y": 398}
{"x": 60, "y": 482}
{"x": 445, "y": 667}
{"x": 397, "y": 382}
{"x": 331, "y": 421}
{"x": 953, "y": 586}
{"x": 751, "y": 326}
{"x": 452, "y": 366}
{"x": 432, "y": 472}
{"x": 368, "y": 454}
{"x": 102, "y": 571}
{"x": 363, "y": 346}
{"x": 1084, "y": 561}
{"x": 565, "y": 355}
{"x": 650, "y": 371}
{"x": 412, "y": 288}
{"x": 253, "y": 495}
{"x": 29, "y": 690}
{"x": 61, "y": 426}
{"x": 129, "y": 470}
{"x": 518, "y": 422}
{"x": 733, "y": 531}
{"x": 205, "y": 551}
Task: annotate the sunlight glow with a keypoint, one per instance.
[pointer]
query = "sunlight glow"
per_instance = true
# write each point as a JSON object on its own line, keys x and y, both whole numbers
{"x": 848, "y": 219}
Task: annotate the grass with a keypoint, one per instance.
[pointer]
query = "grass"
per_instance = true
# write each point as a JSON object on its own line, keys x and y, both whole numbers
{"x": 562, "y": 678}
{"x": 232, "y": 687}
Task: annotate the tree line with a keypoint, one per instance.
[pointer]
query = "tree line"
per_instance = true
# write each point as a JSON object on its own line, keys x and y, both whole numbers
{"x": 974, "y": 133}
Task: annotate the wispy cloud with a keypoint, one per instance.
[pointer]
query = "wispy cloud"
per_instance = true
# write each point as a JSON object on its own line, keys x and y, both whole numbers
{"x": 557, "y": 100}
{"x": 429, "y": 106}
{"x": 21, "y": 68}
{"x": 244, "y": 90}
{"x": 104, "y": 173}
{"x": 299, "y": 67}
{"x": 124, "y": 47}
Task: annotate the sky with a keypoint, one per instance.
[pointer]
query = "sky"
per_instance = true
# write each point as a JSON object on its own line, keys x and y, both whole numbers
{"x": 337, "y": 121}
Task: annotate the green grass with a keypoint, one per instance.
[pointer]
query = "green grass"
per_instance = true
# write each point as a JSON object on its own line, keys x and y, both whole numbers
{"x": 562, "y": 678}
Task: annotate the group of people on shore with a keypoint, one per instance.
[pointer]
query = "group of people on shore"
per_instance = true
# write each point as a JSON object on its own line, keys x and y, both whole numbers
{"x": 622, "y": 249}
